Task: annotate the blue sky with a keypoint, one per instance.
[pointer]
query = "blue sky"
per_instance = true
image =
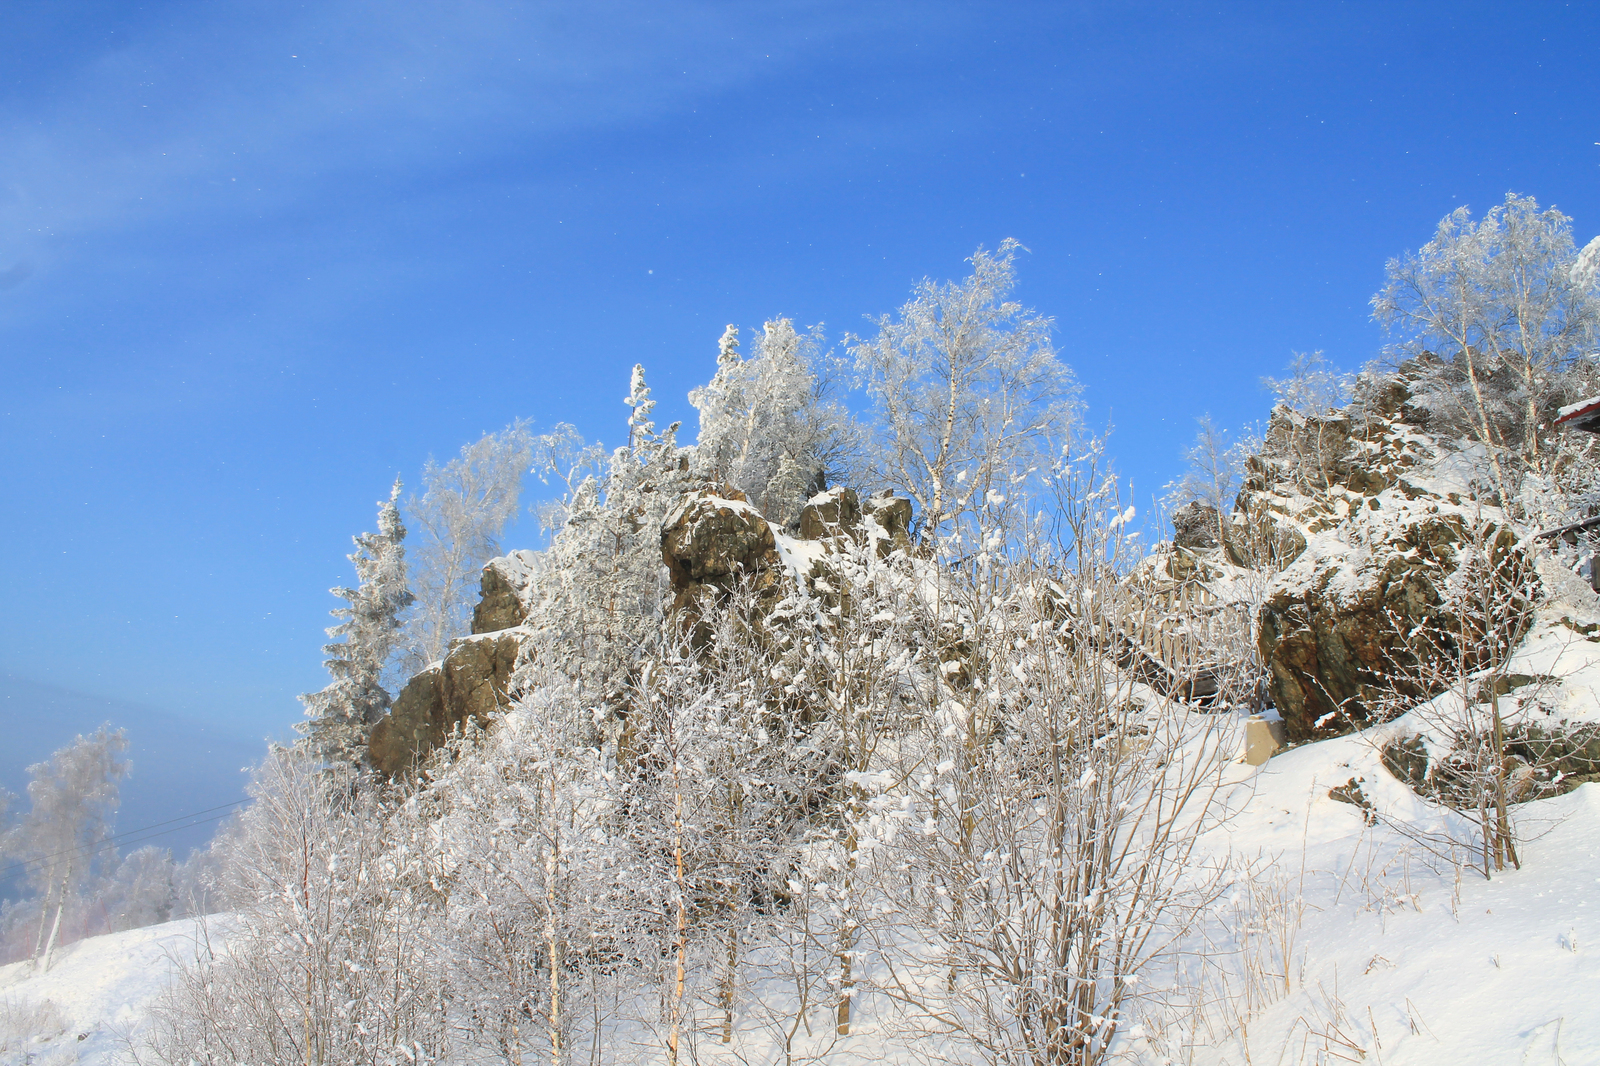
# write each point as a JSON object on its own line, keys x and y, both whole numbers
{"x": 256, "y": 259}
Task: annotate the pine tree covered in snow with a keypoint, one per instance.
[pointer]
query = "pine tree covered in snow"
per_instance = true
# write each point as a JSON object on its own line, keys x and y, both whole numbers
{"x": 342, "y": 714}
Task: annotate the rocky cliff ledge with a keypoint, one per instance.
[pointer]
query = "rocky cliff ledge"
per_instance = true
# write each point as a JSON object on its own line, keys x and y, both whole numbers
{"x": 712, "y": 544}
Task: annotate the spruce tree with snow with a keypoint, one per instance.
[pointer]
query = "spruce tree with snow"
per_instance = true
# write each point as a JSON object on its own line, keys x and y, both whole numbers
{"x": 343, "y": 713}
{"x": 640, "y": 427}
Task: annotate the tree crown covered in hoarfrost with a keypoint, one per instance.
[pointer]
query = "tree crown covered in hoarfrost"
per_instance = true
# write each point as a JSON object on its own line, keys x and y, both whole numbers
{"x": 970, "y": 397}
{"x": 342, "y": 713}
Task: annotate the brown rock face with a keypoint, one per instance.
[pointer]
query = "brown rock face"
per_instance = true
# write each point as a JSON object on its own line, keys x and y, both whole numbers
{"x": 502, "y": 586}
{"x": 1195, "y": 526}
{"x": 893, "y": 515}
{"x": 710, "y": 544}
{"x": 470, "y": 683}
{"x": 712, "y": 540}
{"x": 1344, "y": 633}
{"x": 839, "y": 512}
{"x": 830, "y": 514}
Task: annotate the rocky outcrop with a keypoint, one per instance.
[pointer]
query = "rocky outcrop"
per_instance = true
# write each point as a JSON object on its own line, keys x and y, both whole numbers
{"x": 1336, "y": 632}
{"x": 503, "y": 591}
{"x": 471, "y": 683}
{"x": 831, "y": 513}
{"x": 1195, "y": 526}
{"x": 711, "y": 544}
{"x": 883, "y": 518}
{"x": 1365, "y": 618}
{"x": 892, "y": 515}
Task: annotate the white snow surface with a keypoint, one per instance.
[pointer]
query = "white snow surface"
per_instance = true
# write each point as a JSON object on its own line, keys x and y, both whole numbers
{"x": 1405, "y": 956}
{"x": 95, "y": 996}
{"x": 1402, "y": 954}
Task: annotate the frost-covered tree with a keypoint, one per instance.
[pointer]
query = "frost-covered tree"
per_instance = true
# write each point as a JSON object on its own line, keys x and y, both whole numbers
{"x": 1312, "y": 386}
{"x": 342, "y": 713}
{"x": 63, "y": 837}
{"x": 329, "y": 959}
{"x": 140, "y": 890}
{"x": 603, "y": 587}
{"x": 970, "y": 395}
{"x": 564, "y": 460}
{"x": 1213, "y": 470}
{"x": 465, "y": 505}
{"x": 549, "y": 915}
{"x": 1499, "y": 309}
{"x": 769, "y": 425}
{"x": 640, "y": 405}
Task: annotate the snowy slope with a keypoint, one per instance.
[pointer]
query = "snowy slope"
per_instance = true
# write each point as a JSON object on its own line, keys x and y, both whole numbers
{"x": 94, "y": 995}
{"x": 1397, "y": 954}
{"x": 1403, "y": 956}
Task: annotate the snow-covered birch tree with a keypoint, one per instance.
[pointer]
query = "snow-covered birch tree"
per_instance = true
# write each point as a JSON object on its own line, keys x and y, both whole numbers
{"x": 63, "y": 839}
{"x": 1502, "y": 306}
{"x": 970, "y": 396}
{"x": 464, "y": 506}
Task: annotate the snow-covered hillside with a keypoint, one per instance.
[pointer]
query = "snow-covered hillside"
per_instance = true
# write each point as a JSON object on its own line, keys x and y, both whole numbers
{"x": 1397, "y": 954}
{"x": 89, "y": 1006}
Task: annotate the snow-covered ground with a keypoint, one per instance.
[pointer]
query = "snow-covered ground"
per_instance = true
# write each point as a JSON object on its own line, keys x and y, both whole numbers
{"x": 1397, "y": 955}
{"x": 93, "y": 997}
{"x": 1402, "y": 956}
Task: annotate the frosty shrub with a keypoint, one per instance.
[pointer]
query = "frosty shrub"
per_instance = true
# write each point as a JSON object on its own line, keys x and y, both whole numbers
{"x": 1053, "y": 803}
{"x": 328, "y": 959}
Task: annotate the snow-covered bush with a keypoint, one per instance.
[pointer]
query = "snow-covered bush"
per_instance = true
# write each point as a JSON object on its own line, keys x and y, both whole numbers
{"x": 329, "y": 958}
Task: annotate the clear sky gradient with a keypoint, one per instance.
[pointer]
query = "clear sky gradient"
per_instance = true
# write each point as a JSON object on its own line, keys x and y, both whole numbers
{"x": 257, "y": 258}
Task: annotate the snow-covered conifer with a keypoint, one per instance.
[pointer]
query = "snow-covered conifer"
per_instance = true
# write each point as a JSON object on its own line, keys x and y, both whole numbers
{"x": 342, "y": 713}
{"x": 604, "y": 586}
{"x": 640, "y": 427}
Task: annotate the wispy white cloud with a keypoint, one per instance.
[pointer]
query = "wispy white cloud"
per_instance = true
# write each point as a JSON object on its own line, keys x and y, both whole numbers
{"x": 219, "y": 115}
